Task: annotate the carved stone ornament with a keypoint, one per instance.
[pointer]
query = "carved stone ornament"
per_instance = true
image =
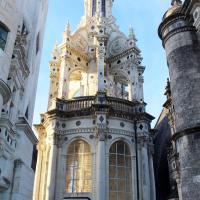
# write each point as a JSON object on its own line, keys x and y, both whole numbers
{"x": 2, "y": 149}
{"x": 117, "y": 46}
{"x": 101, "y": 134}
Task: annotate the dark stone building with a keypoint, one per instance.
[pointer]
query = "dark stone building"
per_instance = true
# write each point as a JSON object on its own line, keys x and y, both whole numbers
{"x": 179, "y": 145}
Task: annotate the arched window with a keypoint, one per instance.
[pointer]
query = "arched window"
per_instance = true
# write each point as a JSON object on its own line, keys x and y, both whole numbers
{"x": 94, "y": 7}
{"x": 3, "y": 36}
{"x": 120, "y": 175}
{"x": 79, "y": 167}
{"x": 103, "y": 7}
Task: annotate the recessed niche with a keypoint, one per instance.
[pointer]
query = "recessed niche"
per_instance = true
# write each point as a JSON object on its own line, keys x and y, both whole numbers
{"x": 79, "y": 59}
{"x": 119, "y": 61}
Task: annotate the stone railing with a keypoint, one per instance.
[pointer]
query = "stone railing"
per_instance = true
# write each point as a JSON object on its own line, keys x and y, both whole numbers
{"x": 89, "y": 104}
{"x": 77, "y": 104}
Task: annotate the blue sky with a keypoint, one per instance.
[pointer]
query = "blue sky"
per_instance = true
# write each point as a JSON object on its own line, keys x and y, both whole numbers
{"x": 145, "y": 17}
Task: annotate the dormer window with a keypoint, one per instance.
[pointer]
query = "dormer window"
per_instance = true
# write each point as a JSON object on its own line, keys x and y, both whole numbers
{"x": 3, "y": 36}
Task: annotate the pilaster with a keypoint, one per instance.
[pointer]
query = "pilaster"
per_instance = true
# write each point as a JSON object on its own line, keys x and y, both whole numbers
{"x": 101, "y": 135}
{"x": 63, "y": 82}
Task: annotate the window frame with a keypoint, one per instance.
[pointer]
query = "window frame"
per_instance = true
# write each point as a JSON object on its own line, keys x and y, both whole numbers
{"x": 5, "y": 40}
{"x": 75, "y": 168}
{"x": 118, "y": 178}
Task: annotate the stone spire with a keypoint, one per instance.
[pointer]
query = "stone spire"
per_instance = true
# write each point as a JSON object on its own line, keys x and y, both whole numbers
{"x": 68, "y": 28}
{"x": 131, "y": 33}
{"x": 67, "y": 32}
{"x": 176, "y": 2}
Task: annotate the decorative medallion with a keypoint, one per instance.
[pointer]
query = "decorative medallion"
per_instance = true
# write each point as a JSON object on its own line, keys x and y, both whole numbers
{"x": 101, "y": 119}
{"x": 122, "y": 124}
{"x": 141, "y": 127}
{"x": 117, "y": 46}
{"x": 63, "y": 125}
{"x": 78, "y": 123}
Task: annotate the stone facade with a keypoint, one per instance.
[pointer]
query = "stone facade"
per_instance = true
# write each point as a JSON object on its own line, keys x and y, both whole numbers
{"x": 179, "y": 32}
{"x": 95, "y": 141}
{"x": 21, "y": 36}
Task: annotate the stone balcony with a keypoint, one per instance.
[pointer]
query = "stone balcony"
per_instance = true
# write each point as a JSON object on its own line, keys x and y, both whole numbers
{"x": 115, "y": 107}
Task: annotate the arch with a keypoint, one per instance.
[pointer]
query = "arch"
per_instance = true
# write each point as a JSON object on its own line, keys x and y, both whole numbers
{"x": 120, "y": 170}
{"x": 79, "y": 167}
{"x": 125, "y": 140}
{"x": 75, "y": 83}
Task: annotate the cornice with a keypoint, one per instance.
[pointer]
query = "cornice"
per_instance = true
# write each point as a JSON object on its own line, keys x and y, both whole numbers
{"x": 24, "y": 125}
{"x": 186, "y": 132}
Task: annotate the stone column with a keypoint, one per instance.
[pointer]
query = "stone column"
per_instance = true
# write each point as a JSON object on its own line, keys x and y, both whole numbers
{"x": 59, "y": 173}
{"x": 51, "y": 174}
{"x": 152, "y": 178}
{"x": 132, "y": 85}
{"x": 101, "y": 170}
{"x": 100, "y": 66}
{"x": 145, "y": 172}
{"x": 178, "y": 181}
{"x": 37, "y": 181}
{"x": 101, "y": 156}
{"x": 63, "y": 81}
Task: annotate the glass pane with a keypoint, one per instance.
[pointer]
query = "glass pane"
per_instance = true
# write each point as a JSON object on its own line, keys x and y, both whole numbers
{"x": 113, "y": 148}
{"x": 79, "y": 168}
{"x": 128, "y": 161}
{"x": 120, "y": 160}
{"x": 113, "y": 196}
{"x": 120, "y": 148}
{"x": 129, "y": 196}
{"x": 113, "y": 172}
{"x": 70, "y": 149}
{"x": 122, "y": 185}
{"x": 87, "y": 173}
{"x": 112, "y": 159}
{"x": 3, "y": 34}
{"x": 87, "y": 187}
{"x": 87, "y": 148}
{"x": 113, "y": 185}
{"x": 128, "y": 186}
{"x": 70, "y": 160}
{"x": 121, "y": 195}
{"x": 69, "y": 185}
{"x": 87, "y": 159}
{"x": 127, "y": 151}
{"x": 121, "y": 172}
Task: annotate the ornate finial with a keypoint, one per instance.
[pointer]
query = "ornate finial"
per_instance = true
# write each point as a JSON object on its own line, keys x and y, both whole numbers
{"x": 56, "y": 45}
{"x": 168, "y": 89}
{"x": 131, "y": 33}
{"x": 176, "y": 2}
{"x": 68, "y": 28}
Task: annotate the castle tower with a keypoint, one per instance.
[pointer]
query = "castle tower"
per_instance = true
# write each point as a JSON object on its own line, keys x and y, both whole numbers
{"x": 181, "y": 42}
{"x": 95, "y": 140}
